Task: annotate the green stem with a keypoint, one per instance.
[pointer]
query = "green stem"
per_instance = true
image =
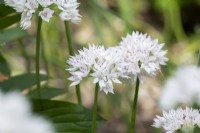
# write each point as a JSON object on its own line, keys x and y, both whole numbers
{"x": 38, "y": 57}
{"x": 134, "y": 106}
{"x": 71, "y": 52}
{"x": 69, "y": 38}
{"x": 95, "y": 108}
{"x": 78, "y": 94}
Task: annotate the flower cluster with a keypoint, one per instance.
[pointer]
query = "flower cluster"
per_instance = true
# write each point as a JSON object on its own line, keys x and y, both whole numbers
{"x": 182, "y": 120}
{"x": 136, "y": 54}
{"x": 16, "y": 117}
{"x": 67, "y": 10}
{"x": 182, "y": 88}
{"x": 143, "y": 55}
{"x": 97, "y": 61}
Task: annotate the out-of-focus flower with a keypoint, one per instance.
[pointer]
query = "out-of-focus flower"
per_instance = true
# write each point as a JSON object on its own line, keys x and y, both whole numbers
{"x": 183, "y": 120}
{"x": 31, "y": 5}
{"x": 18, "y": 5}
{"x": 182, "y": 88}
{"x": 45, "y": 3}
{"x": 98, "y": 62}
{"x": 142, "y": 55}
{"x": 26, "y": 19}
{"x": 16, "y": 116}
{"x": 67, "y": 10}
{"x": 46, "y": 14}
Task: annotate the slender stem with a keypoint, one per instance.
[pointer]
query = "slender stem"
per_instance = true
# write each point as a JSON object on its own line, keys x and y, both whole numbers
{"x": 199, "y": 59}
{"x": 134, "y": 106}
{"x": 37, "y": 66}
{"x": 71, "y": 52}
{"x": 95, "y": 108}
{"x": 69, "y": 38}
{"x": 78, "y": 94}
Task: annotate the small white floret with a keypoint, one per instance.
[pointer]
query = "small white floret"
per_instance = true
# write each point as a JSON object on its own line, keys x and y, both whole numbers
{"x": 46, "y": 14}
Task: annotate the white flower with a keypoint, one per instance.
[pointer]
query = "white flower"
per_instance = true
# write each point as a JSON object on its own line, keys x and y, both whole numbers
{"x": 98, "y": 62}
{"x": 105, "y": 73}
{"x": 18, "y": 5}
{"x": 46, "y": 14}
{"x": 182, "y": 88}
{"x": 142, "y": 55}
{"x": 67, "y": 4}
{"x": 78, "y": 75}
{"x": 69, "y": 10}
{"x": 31, "y": 5}
{"x": 73, "y": 16}
{"x": 26, "y": 16}
{"x": 45, "y": 3}
{"x": 16, "y": 117}
{"x": 183, "y": 120}
{"x": 26, "y": 19}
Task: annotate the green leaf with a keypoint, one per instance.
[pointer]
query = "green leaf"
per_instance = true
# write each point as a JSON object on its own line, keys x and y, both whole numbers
{"x": 5, "y": 10}
{"x": 196, "y": 130}
{"x": 47, "y": 92}
{"x": 20, "y": 82}
{"x": 9, "y": 20}
{"x": 4, "y": 68}
{"x": 11, "y": 34}
{"x": 66, "y": 117}
{"x": 1, "y": 1}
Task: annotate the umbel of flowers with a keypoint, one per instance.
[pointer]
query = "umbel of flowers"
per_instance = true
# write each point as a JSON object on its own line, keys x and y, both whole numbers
{"x": 180, "y": 120}
{"x": 97, "y": 62}
{"x": 143, "y": 56}
{"x": 135, "y": 56}
{"x": 65, "y": 9}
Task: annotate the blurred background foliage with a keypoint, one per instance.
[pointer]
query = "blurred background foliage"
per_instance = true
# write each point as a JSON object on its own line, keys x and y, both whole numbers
{"x": 175, "y": 22}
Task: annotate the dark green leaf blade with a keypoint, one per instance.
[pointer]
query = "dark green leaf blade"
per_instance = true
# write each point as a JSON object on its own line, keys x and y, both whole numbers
{"x": 196, "y": 130}
{"x": 47, "y": 92}
{"x": 66, "y": 117}
{"x": 9, "y": 20}
{"x": 5, "y": 10}
{"x": 4, "y": 68}
{"x": 11, "y": 34}
{"x": 1, "y": 1}
{"x": 20, "y": 82}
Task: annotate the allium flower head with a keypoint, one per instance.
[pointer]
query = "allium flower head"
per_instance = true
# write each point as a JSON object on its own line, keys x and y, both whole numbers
{"x": 183, "y": 120}
{"x": 142, "y": 55}
{"x": 97, "y": 62}
{"x": 182, "y": 88}
{"x": 16, "y": 116}
{"x": 67, "y": 10}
